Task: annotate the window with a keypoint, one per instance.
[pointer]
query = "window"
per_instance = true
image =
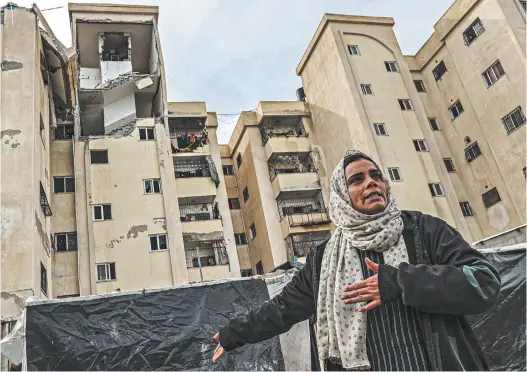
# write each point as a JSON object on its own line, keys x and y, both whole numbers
{"x": 234, "y": 203}
{"x": 420, "y": 86}
{"x": 106, "y": 271}
{"x": 366, "y": 89}
{"x": 146, "y": 134}
{"x": 99, "y": 156}
{"x": 253, "y": 231}
{"x": 245, "y": 273}
{"x": 493, "y": 73}
{"x": 491, "y": 197}
{"x": 259, "y": 268}
{"x": 228, "y": 170}
{"x": 420, "y": 145}
{"x": 472, "y": 152}
{"x": 390, "y": 66}
{"x": 466, "y": 209}
{"x": 239, "y": 160}
{"x": 380, "y": 129}
{"x": 43, "y": 280}
{"x": 240, "y": 238}
{"x": 66, "y": 242}
{"x": 44, "y": 204}
{"x": 405, "y": 104}
{"x": 245, "y": 194}
{"x": 525, "y": 173}
{"x": 152, "y": 186}
{"x": 354, "y": 50}
{"x": 455, "y": 110}
{"x": 158, "y": 242}
{"x": 439, "y": 70}
{"x": 514, "y": 120}
{"x": 473, "y": 31}
{"x": 433, "y": 123}
{"x": 436, "y": 189}
{"x": 449, "y": 164}
{"x": 395, "y": 175}
{"x": 42, "y": 130}
{"x": 63, "y": 184}
{"x": 523, "y": 3}
{"x": 64, "y": 131}
{"x": 102, "y": 212}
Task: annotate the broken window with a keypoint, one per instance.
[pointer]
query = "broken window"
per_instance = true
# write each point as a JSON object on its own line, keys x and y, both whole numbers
{"x": 366, "y": 89}
{"x": 228, "y": 170}
{"x": 405, "y": 104}
{"x": 102, "y": 212}
{"x": 380, "y": 129}
{"x": 245, "y": 194}
{"x": 354, "y": 50}
{"x": 64, "y": 131}
{"x": 252, "y": 230}
{"x": 259, "y": 268}
{"x": 240, "y": 238}
{"x": 115, "y": 47}
{"x": 473, "y": 31}
{"x": 395, "y": 174}
{"x": 472, "y": 152}
{"x": 456, "y": 109}
{"x": 44, "y": 204}
{"x": 234, "y": 203}
{"x": 420, "y": 145}
{"x": 99, "y": 156}
{"x": 158, "y": 243}
{"x": 436, "y": 189}
{"x": 491, "y": 197}
{"x": 106, "y": 271}
{"x": 152, "y": 186}
{"x": 420, "y": 86}
{"x": 449, "y": 165}
{"x": 439, "y": 70}
{"x": 466, "y": 209}
{"x": 433, "y": 123}
{"x": 43, "y": 280}
{"x": 63, "y": 184}
{"x": 514, "y": 120}
{"x": 66, "y": 242}
{"x": 146, "y": 134}
{"x": 390, "y": 66}
{"x": 493, "y": 73}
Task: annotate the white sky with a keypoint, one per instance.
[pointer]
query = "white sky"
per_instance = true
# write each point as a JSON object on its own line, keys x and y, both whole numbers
{"x": 234, "y": 53}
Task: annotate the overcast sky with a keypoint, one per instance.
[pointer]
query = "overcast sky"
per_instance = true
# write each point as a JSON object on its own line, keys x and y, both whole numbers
{"x": 234, "y": 53}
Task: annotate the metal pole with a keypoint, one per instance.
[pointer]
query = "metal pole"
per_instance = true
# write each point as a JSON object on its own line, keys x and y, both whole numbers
{"x": 199, "y": 262}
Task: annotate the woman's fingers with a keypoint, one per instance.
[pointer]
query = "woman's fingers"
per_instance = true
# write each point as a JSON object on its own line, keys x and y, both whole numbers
{"x": 360, "y": 298}
{"x": 218, "y": 353}
{"x": 372, "y": 305}
{"x": 358, "y": 292}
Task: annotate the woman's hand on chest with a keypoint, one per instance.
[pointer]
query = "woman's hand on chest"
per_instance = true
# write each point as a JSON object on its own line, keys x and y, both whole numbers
{"x": 363, "y": 291}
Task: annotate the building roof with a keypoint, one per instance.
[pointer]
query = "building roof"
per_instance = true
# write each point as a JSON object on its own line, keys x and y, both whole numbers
{"x": 113, "y": 9}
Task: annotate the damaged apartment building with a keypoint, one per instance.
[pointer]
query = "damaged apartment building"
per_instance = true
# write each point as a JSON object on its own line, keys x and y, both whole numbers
{"x": 113, "y": 188}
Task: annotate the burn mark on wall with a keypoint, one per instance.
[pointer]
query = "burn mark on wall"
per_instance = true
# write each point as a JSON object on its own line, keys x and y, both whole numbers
{"x": 160, "y": 221}
{"x": 9, "y": 137}
{"x": 42, "y": 234}
{"x": 135, "y": 230}
{"x": 11, "y": 65}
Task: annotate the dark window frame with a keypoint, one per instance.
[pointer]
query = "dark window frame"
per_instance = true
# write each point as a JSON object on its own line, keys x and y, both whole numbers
{"x": 56, "y": 182}
{"x": 43, "y": 279}
{"x": 160, "y": 239}
{"x": 103, "y": 212}
{"x": 391, "y": 66}
{"x": 245, "y": 194}
{"x": 417, "y": 145}
{"x": 109, "y": 270}
{"x": 440, "y": 70}
{"x": 458, "y": 106}
{"x": 405, "y": 104}
{"x": 420, "y": 86}
{"x": 366, "y": 89}
{"x": 357, "y": 49}
{"x": 434, "y": 189}
{"x": 103, "y": 160}
{"x": 494, "y": 73}
{"x": 511, "y": 126}
{"x": 449, "y": 165}
{"x": 472, "y": 152}
{"x": 70, "y": 238}
{"x": 466, "y": 209}
{"x": 378, "y": 127}
{"x": 239, "y": 160}
{"x": 234, "y": 203}
{"x": 434, "y": 120}
{"x": 228, "y": 170}
{"x": 252, "y": 229}
{"x": 491, "y": 197}
{"x": 153, "y": 188}
{"x": 240, "y": 238}
{"x": 147, "y": 134}
{"x": 392, "y": 171}
{"x": 472, "y": 32}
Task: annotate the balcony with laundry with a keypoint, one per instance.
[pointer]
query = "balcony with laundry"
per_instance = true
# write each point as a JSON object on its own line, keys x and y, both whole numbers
{"x": 200, "y": 215}
{"x": 189, "y": 136}
{"x": 195, "y": 176}
{"x": 292, "y": 172}
{"x": 303, "y": 211}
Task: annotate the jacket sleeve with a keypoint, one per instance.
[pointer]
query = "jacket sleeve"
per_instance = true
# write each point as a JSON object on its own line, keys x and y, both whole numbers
{"x": 460, "y": 281}
{"x": 294, "y": 304}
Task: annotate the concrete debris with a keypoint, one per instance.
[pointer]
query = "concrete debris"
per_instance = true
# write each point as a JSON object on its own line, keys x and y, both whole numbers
{"x": 123, "y": 131}
{"x": 144, "y": 82}
{"x": 202, "y": 237}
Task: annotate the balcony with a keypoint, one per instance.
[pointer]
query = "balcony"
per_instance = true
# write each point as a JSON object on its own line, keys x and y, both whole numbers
{"x": 199, "y": 216}
{"x": 190, "y": 144}
{"x": 293, "y": 172}
{"x": 303, "y": 213}
{"x": 211, "y": 256}
{"x": 301, "y": 244}
{"x": 283, "y": 135}
{"x": 195, "y": 176}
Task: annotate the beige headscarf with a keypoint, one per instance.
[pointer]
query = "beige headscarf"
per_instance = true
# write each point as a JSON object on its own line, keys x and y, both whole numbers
{"x": 341, "y": 329}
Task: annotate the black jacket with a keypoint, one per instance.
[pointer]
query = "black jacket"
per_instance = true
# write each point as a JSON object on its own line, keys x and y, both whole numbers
{"x": 444, "y": 280}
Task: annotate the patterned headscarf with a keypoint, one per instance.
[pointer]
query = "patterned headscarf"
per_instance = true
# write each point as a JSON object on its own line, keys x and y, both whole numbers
{"x": 341, "y": 329}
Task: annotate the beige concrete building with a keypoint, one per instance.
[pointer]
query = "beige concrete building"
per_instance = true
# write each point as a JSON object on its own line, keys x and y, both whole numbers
{"x": 112, "y": 188}
{"x": 447, "y": 125}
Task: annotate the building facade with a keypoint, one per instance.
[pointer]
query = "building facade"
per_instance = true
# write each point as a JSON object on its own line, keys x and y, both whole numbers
{"x": 113, "y": 188}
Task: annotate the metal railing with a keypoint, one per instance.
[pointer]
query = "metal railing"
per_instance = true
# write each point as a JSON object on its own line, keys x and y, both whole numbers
{"x": 64, "y": 131}
{"x": 44, "y": 204}
{"x": 300, "y": 168}
{"x": 309, "y": 217}
{"x": 185, "y": 170}
{"x": 302, "y": 248}
{"x": 199, "y": 212}
{"x": 293, "y": 130}
{"x": 207, "y": 254}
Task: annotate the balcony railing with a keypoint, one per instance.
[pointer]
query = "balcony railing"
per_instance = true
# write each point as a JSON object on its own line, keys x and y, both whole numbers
{"x": 288, "y": 167}
{"x": 277, "y": 130}
{"x": 207, "y": 254}
{"x": 186, "y": 170}
{"x": 64, "y": 131}
{"x": 302, "y": 248}
{"x": 199, "y": 212}
{"x": 308, "y": 217}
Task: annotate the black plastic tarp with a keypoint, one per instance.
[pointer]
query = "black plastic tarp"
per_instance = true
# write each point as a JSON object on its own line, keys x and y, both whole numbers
{"x": 501, "y": 331}
{"x": 163, "y": 330}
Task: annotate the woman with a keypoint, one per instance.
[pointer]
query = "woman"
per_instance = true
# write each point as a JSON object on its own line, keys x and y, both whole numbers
{"x": 389, "y": 290}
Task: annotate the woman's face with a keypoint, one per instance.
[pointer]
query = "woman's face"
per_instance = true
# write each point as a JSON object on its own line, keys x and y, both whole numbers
{"x": 366, "y": 187}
